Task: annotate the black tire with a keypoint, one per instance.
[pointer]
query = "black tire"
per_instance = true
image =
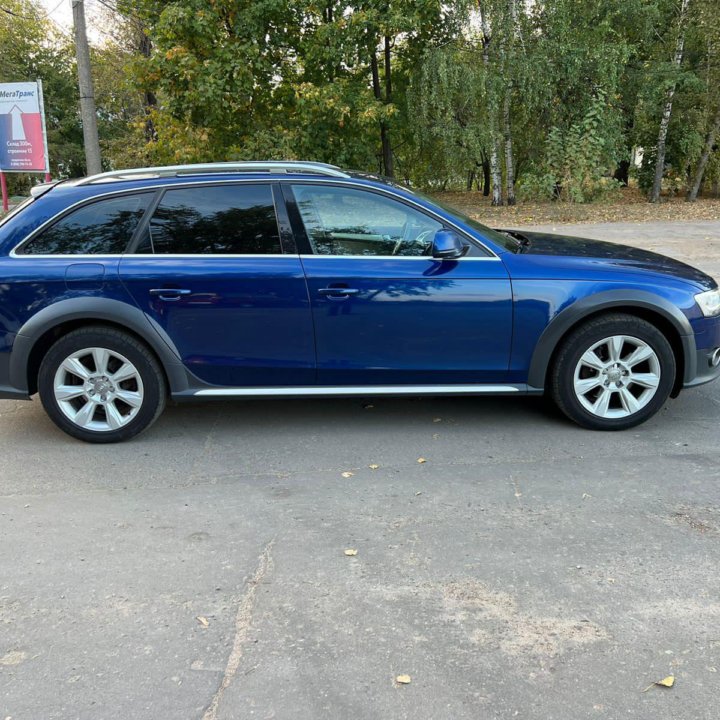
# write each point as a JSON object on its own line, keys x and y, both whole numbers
{"x": 151, "y": 387}
{"x": 582, "y": 339}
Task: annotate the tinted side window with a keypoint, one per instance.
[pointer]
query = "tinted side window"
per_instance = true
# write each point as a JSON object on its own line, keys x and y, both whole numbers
{"x": 101, "y": 228}
{"x": 221, "y": 219}
{"x": 343, "y": 221}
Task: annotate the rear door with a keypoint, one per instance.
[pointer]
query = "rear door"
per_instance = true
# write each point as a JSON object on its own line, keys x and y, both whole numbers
{"x": 385, "y": 312}
{"x": 210, "y": 268}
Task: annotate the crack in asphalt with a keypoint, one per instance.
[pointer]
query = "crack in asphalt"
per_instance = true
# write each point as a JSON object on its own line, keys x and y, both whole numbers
{"x": 243, "y": 621}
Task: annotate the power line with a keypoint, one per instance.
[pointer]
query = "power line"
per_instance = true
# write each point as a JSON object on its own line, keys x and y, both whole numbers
{"x": 17, "y": 15}
{"x": 40, "y": 16}
{"x": 50, "y": 12}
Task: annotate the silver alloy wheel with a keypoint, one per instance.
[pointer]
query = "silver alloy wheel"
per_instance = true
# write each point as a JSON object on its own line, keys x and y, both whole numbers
{"x": 617, "y": 377}
{"x": 98, "y": 389}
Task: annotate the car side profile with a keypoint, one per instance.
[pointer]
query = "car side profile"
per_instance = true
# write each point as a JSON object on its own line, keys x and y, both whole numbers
{"x": 294, "y": 279}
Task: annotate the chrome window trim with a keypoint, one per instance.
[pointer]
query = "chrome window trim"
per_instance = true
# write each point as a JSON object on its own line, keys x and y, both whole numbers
{"x": 240, "y": 181}
{"x": 153, "y": 257}
{"x": 394, "y": 257}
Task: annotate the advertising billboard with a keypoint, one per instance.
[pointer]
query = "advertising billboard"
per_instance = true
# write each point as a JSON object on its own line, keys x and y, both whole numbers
{"x": 23, "y": 145}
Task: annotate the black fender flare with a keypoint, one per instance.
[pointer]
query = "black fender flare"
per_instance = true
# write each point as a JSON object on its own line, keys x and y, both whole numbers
{"x": 610, "y": 300}
{"x": 99, "y": 309}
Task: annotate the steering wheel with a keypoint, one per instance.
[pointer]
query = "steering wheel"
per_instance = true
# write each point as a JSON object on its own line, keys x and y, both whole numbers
{"x": 401, "y": 239}
{"x": 421, "y": 238}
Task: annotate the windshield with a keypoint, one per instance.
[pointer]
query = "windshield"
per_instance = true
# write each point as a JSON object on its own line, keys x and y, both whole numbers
{"x": 506, "y": 241}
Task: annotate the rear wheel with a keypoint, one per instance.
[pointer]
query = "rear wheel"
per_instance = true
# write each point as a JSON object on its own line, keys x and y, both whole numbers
{"x": 101, "y": 385}
{"x": 613, "y": 373}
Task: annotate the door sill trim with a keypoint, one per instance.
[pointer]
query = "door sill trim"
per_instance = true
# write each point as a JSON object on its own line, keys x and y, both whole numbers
{"x": 362, "y": 390}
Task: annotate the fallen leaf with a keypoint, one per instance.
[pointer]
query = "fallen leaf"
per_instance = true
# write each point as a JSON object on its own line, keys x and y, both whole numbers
{"x": 351, "y": 552}
{"x": 437, "y": 419}
{"x": 419, "y": 492}
{"x": 421, "y": 460}
{"x": 347, "y": 474}
{"x": 373, "y": 467}
{"x": 203, "y": 620}
{"x": 15, "y": 657}
{"x": 403, "y": 679}
{"x": 667, "y": 682}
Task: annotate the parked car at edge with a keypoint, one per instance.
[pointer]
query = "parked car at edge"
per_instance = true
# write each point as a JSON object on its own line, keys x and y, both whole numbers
{"x": 122, "y": 290}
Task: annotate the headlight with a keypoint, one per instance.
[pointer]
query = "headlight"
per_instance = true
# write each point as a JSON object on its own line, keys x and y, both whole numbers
{"x": 709, "y": 302}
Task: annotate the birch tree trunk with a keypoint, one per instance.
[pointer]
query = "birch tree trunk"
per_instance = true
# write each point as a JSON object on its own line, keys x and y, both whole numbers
{"x": 667, "y": 109}
{"x": 700, "y": 172}
{"x": 509, "y": 161}
{"x": 507, "y": 125}
{"x": 495, "y": 169}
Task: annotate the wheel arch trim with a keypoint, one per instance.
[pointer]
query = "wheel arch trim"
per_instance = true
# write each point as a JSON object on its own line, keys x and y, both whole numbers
{"x": 89, "y": 310}
{"x": 610, "y": 300}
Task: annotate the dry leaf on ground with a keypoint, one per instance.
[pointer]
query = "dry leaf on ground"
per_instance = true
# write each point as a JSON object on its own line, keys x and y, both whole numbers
{"x": 203, "y": 621}
{"x": 403, "y": 679}
{"x": 373, "y": 467}
{"x": 421, "y": 460}
{"x": 667, "y": 682}
{"x": 347, "y": 474}
{"x": 351, "y": 552}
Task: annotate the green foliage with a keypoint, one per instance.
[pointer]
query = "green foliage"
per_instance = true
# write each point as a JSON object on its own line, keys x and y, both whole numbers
{"x": 449, "y": 114}
{"x": 281, "y": 78}
{"x": 580, "y": 156}
{"x": 569, "y": 87}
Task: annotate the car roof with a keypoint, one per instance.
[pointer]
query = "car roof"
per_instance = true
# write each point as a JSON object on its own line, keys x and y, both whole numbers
{"x": 153, "y": 177}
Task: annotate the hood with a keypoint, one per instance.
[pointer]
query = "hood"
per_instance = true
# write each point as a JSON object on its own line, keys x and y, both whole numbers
{"x": 610, "y": 254}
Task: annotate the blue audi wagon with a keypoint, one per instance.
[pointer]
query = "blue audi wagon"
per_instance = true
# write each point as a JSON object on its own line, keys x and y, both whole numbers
{"x": 299, "y": 279}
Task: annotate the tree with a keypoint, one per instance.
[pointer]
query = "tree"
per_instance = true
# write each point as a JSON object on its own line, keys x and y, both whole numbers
{"x": 707, "y": 150}
{"x": 491, "y": 99}
{"x": 667, "y": 108}
{"x": 705, "y": 39}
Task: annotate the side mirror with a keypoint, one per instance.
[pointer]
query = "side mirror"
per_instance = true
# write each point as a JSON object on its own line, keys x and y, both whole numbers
{"x": 447, "y": 245}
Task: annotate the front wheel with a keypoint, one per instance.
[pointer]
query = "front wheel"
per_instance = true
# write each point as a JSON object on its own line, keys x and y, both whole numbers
{"x": 101, "y": 385}
{"x": 613, "y": 373}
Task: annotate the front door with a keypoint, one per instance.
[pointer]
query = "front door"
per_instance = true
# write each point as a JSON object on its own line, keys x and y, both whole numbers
{"x": 385, "y": 312}
{"x": 210, "y": 270}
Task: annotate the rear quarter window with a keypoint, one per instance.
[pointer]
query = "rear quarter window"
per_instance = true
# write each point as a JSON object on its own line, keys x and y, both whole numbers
{"x": 103, "y": 227}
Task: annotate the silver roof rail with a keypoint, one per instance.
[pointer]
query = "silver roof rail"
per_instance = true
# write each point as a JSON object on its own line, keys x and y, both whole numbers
{"x": 290, "y": 166}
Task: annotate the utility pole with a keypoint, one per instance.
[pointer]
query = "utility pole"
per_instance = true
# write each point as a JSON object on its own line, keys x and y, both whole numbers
{"x": 87, "y": 92}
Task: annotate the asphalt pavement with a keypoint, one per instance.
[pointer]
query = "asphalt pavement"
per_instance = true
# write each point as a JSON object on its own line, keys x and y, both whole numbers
{"x": 526, "y": 568}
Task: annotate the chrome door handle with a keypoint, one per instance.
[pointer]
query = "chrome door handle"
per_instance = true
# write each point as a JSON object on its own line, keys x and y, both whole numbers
{"x": 170, "y": 294}
{"x": 338, "y": 291}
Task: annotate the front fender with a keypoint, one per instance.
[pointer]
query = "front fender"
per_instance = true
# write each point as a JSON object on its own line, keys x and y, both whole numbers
{"x": 626, "y": 299}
